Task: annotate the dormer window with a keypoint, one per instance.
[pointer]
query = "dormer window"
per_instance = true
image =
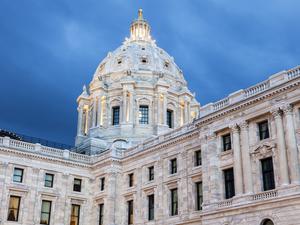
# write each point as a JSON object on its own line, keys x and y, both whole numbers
{"x": 119, "y": 61}
{"x": 143, "y": 48}
{"x": 167, "y": 64}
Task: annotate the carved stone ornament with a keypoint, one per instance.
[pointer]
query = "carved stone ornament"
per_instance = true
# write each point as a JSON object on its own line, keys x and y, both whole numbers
{"x": 287, "y": 109}
{"x": 263, "y": 149}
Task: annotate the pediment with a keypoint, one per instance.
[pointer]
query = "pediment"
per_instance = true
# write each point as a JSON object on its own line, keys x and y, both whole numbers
{"x": 263, "y": 148}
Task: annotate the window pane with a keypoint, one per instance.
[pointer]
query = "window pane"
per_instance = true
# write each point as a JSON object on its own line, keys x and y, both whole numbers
{"x": 18, "y": 175}
{"x": 144, "y": 114}
{"x": 13, "y": 209}
{"x": 263, "y": 130}
{"x": 170, "y": 118}
{"x": 268, "y": 174}
{"x": 75, "y": 215}
{"x": 116, "y": 115}
{"x": 226, "y": 142}
{"x": 229, "y": 183}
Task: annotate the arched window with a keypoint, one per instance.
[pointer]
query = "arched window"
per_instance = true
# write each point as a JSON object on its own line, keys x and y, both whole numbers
{"x": 267, "y": 222}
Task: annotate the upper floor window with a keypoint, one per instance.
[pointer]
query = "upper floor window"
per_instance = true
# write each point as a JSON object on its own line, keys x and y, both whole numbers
{"x": 268, "y": 173}
{"x": 45, "y": 212}
{"x": 170, "y": 118}
{"x": 144, "y": 114}
{"x": 174, "y": 202}
{"x": 77, "y": 185}
{"x": 13, "y": 208}
{"x": 151, "y": 173}
{"x": 18, "y": 175}
{"x": 102, "y": 183}
{"x": 130, "y": 212}
{"x": 116, "y": 115}
{"x": 144, "y": 60}
{"x": 101, "y": 212}
{"x": 263, "y": 129}
{"x": 49, "y": 180}
{"x": 226, "y": 139}
{"x": 173, "y": 166}
{"x": 75, "y": 214}
{"x": 229, "y": 183}
{"x": 151, "y": 207}
{"x": 130, "y": 179}
{"x": 267, "y": 222}
{"x": 199, "y": 195}
{"x": 198, "y": 158}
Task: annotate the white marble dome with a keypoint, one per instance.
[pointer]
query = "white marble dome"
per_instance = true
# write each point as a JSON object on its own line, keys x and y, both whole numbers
{"x": 137, "y": 92}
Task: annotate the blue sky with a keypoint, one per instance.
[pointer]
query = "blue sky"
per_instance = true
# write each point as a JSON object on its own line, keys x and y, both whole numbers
{"x": 50, "y": 48}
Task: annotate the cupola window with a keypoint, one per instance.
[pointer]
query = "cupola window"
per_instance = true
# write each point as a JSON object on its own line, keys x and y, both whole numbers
{"x": 115, "y": 115}
{"x": 144, "y": 114}
{"x": 167, "y": 65}
{"x": 119, "y": 61}
{"x": 144, "y": 60}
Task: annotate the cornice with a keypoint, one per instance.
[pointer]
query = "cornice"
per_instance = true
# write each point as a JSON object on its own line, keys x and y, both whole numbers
{"x": 247, "y": 102}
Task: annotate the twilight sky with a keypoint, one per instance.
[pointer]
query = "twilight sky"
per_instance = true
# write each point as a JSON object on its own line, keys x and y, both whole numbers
{"x": 50, "y": 48}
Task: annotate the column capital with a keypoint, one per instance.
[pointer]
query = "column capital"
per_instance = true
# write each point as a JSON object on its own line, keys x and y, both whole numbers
{"x": 287, "y": 109}
{"x": 210, "y": 136}
{"x": 276, "y": 112}
{"x": 243, "y": 125}
{"x": 234, "y": 127}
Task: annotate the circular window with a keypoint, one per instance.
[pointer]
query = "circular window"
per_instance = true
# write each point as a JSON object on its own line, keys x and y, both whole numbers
{"x": 267, "y": 222}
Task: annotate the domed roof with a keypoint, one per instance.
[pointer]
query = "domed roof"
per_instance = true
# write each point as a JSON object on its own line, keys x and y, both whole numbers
{"x": 139, "y": 53}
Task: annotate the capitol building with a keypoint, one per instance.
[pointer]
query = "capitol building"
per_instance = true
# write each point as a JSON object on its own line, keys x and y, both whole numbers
{"x": 147, "y": 153}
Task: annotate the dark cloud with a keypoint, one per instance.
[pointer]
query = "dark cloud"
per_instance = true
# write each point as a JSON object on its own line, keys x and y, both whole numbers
{"x": 50, "y": 48}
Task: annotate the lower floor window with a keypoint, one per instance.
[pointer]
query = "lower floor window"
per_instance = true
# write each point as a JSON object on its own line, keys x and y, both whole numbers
{"x": 130, "y": 212}
{"x": 45, "y": 212}
{"x": 199, "y": 196}
{"x": 14, "y": 208}
{"x": 174, "y": 202}
{"x": 75, "y": 212}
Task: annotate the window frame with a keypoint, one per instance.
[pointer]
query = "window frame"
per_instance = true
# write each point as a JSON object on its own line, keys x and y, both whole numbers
{"x": 130, "y": 212}
{"x": 74, "y": 216}
{"x": 77, "y": 185}
{"x": 116, "y": 115}
{"x": 197, "y": 158}
{"x": 199, "y": 195}
{"x": 144, "y": 114}
{"x": 51, "y": 181}
{"x": 226, "y": 142}
{"x": 268, "y": 175}
{"x": 47, "y": 213}
{"x": 174, "y": 202}
{"x": 150, "y": 173}
{"x": 173, "y": 166}
{"x": 229, "y": 183}
{"x": 262, "y": 132}
{"x": 151, "y": 207}
{"x": 13, "y": 209}
{"x": 170, "y": 116}
{"x": 130, "y": 179}
{"x": 102, "y": 183}
{"x": 19, "y": 176}
{"x": 101, "y": 213}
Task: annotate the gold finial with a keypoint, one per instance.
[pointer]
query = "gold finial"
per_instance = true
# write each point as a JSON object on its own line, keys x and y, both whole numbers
{"x": 140, "y": 13}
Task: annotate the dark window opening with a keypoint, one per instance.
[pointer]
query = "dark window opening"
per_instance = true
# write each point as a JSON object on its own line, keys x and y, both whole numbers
{"x": 143, "y": 114}
{"x": 49, "y": 180}
{"x": 199, "y": 196}
{"x": 174, "y": 202}
{"x": 130, "y": 212}
{"x": 101, "y": 212}
{"x": 18, "y": 175}
{"x": 229, "y": 183}
{"x": 198, "y": 158}
{"x": 170, "y": 118}
{"x": 151, "y": 207}
{"x": 77, "y": 185}
{"x": 116, "y": 115}
{"x": 263, "y": 128}
{"x": 173, "y": 166}
{"x": 268, "y": 173}
{"x": 151, "y": 173}
{"x": 45, "y": 212}
{"x": 226, "y": 142}
{"x": 130, "y": 180}
{"x": 102, "y": 183}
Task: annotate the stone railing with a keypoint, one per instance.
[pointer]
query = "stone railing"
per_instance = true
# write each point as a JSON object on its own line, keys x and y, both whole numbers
{"x": 44, "y": 150}
{"x": 273, "y": 81}
{"x": 225, "y": 203}
{"x": 265, "y": 195}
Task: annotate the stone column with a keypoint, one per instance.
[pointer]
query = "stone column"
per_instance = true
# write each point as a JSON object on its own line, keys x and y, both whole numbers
{"x": 247, "y": 169}
{"x": 94, "y": 122}
{"x": 131, "y": 108}
{"x": 79, "y": 122}
{"x": 124, "y": 105}
{"x": 292, "y": 144}
{"x": 99, "y": 112}
{"x": 158, "y": 109}
{"x": 164, "y": 109}
{"x": 186, "y": 113}
{"x": 238, "y": 173}
{"x": 283, "y": 166}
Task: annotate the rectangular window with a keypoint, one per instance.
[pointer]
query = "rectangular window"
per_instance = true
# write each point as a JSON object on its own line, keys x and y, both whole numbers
{"x": 174, "y": 202}
{"x": 75, "y": 214}
{"x": 102, "y": 183}
{"x": 13, "y": 208}
{"x": 45, "y": 212}
{"x": 268, "y": 173}
{"x": 49, "y": 180}
{"x": 101, "y": 212}
{"x": 130, "y": 180}
{"x": 151, "y": 173}
{"x": 226, "y": 142}
{"x": 130, "y": 212}
{"x": 151, "y": 207}
{"x": 77, "y": 185}
{"x": 199, "y": 196}
{"x": 116, "y": 115}
{"x": 198, "y": 158}
{"x": 173, "y": 166}
{"x": 263, "y": 129}
{"x": 18, "y": 175}
{"x": 170, "y": 118}
{"x": 229, "y": 183}
{"x": 144, "y": 114}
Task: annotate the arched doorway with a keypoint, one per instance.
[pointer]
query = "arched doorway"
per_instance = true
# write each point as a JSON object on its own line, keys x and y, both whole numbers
{"x": 267, "y": 222}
